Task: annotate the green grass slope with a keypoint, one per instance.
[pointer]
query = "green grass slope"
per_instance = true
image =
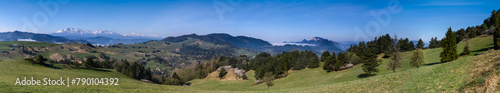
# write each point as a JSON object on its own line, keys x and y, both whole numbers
{"x": 4, "y": 45}
{"x": 433, "y": 77}
{"x": 312, "y": 79}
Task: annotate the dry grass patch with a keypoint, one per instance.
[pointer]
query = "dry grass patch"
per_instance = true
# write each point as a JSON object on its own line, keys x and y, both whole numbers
{"x": 485, "y": 74}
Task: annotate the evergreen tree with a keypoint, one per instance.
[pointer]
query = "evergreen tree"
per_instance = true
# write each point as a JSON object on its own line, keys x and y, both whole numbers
{"x": 411, "y": 46}
{"x": 369, "y": 59}
{"x": 495, "y": 16}
{"x": 466, "y": 48}
{"x": 405, "y": 44}
{"x": 328, "y": 65}
{"x": 434, "y": 43}
{"x": 39, "y": 60}
{"x": 313, "y": 62}
{"x": 460, "y": 35}
{"x": 354, "y": 59}
{"x": 341, "y": 61}
{"x": 370, "y": 63}
{"x": 384, "y": 43}
{"x": 395, "y": 57}
{"x": 89, "y": 62}
{"x": 420, "y": 44}
{"x": 449, "y": 47}
{"x": 325, "y": 55}
{"x": 417, "y": 58}
{"x": 496, "y": 37}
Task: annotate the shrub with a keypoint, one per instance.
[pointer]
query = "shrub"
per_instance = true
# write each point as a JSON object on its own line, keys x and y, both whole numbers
{"x": 222, "y": 73}
{"x": 37, "y": 60}
{"x": 268, "y": 79}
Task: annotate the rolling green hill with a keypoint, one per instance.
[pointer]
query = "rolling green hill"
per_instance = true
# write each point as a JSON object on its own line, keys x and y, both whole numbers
{"x": 433, "y": 77}
{"x": 170, "y": 51}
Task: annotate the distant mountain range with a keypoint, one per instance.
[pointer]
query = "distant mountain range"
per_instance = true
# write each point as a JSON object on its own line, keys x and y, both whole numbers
{"x": 28, "y": 36}
{"x": 72, "y": 35}
{"x": 80, "y": 33}
{"x": 103, "y": 36}
{"x": 321, "y": 42}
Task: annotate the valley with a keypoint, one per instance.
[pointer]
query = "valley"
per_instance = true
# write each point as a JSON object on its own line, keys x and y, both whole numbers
{"x": 255, "y": 46}
{"x": 445, "y": 77}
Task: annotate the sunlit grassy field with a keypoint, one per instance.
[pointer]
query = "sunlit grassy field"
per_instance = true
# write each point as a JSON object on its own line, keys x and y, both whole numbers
{"x": 432, "y": 77}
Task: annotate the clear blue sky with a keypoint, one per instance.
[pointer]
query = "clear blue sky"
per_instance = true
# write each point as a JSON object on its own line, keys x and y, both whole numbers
{"x": 271, "y": 20}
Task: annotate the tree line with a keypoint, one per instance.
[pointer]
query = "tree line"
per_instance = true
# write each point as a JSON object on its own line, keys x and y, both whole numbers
{"x": 367, "y": 54}
{"x": 279, "y": 65}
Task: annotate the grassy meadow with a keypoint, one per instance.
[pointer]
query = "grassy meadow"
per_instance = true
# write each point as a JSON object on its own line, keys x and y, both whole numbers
{"x": 432, "y": 77}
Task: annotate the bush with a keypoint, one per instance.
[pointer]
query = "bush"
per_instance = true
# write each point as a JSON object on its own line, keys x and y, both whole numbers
{"x": 171, "y": 81}
{"x": 37, "y": 60}
{"x": 417, "y": 58}
{"x": 268, "y": 79}
{"x": 222, "y": 73}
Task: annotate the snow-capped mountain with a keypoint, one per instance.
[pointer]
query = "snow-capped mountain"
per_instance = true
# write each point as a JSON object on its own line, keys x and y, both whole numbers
{"x": 73, "y": 33}
{"x": 140, "y": 35}
{"x": 103, "y": 36}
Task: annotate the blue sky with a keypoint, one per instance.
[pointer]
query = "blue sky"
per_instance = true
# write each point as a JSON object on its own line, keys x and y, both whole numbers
{"x": 271, "y": 20}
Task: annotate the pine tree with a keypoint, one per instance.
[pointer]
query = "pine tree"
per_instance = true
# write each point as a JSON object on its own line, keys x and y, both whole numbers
{"x": 89, "y": 62}
{"x": 411, "y": 46}
{"x": 328, "y": 65}
{"x": 496, "y": 37}
{"x": 449, "y": 47}
{"x": 313, "y": 62}
{"x": 39, "y": 60}
{"x": 460, "y": 35}
{"x": 370, "y": 64}
{"x": 369, "y": 59}
{"x": 417, "y": 58}
{"x": 353, "y": 59}
{"x": 466, "y": 48}
{"x": 434, "y": 43}
{"x": 341, "y": 61}
{"x": 420, "y": 44}
{"x": 495, "y": 16}
{"x": 325, "y": 55}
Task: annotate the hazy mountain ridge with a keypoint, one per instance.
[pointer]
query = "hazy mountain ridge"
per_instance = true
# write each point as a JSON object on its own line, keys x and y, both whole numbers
{"x": 17, "y": 35}
{"x": 261, "y": 45}
{"x": 322, "y": 42}
{"x": 104, "y": 36}
{"x": 224, "y": 39}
